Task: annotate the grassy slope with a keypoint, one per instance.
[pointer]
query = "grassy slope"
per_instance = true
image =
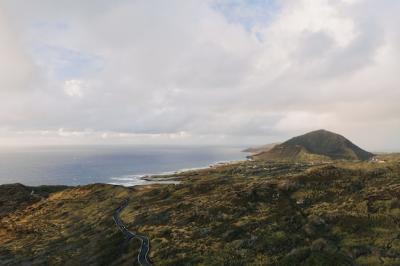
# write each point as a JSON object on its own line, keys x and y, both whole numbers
{"x": 18, "y": 196}
{"x": 264, "y": 213}
{"x": 71, "y": 227}
{"x": 319, "y": 145}
{"x": 251, "y": 213}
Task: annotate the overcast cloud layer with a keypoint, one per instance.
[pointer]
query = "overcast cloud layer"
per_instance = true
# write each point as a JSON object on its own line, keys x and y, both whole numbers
{"x": 217, "y": 71}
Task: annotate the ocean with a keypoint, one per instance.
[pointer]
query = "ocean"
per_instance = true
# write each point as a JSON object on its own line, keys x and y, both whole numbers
{"x": 122, "y": 165}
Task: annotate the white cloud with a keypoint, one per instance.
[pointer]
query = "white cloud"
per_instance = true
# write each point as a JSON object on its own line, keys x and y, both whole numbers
{"x": 16, "y": 67}
{"x": 152, "y": 68}
{"x": 73, "y": 88}
{"x": 302, "y": 121}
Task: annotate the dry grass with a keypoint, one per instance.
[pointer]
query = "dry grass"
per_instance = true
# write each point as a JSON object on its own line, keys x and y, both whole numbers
{"x": 250, "y": 213}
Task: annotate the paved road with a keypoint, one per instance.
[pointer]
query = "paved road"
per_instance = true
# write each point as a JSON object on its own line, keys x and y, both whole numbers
{"x": 145, "y": 242}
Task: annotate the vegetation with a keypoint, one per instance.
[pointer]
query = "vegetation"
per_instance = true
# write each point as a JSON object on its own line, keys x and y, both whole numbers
{"x": 320, "y": 145}
{"x": 247, "y": 213}
{"x": 18, "y": 196}
{"x": 69, "y": 227}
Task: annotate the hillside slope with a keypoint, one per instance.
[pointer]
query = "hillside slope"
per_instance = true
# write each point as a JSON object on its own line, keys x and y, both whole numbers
{"x": 17, "y": 196}
{"x": 70, "y": 227}
{"x": 247, "y": 213}
{"x": 320, "y": 145}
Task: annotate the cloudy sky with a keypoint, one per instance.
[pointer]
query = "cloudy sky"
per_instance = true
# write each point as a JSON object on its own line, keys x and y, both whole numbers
{"x": 198, "y": 71}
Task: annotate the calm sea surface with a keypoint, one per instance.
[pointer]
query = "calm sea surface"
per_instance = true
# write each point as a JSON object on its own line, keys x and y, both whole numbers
{"x": 106, "y": 164}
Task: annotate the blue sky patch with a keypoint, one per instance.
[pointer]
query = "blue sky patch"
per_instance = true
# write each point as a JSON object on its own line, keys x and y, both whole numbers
{"x": 63, "y": 63}
{"x": 248, "y": 13}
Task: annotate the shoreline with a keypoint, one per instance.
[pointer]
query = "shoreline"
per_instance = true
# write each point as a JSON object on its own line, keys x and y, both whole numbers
{"x": 142, "y": 179}
{"x": 159, "y": 178}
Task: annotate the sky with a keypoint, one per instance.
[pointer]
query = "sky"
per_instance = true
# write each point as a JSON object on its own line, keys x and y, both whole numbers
{"x": 226, "y": 72}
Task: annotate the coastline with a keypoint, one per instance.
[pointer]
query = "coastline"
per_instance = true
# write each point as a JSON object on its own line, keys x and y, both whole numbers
{"x": 75, "y": 166}
{"x": 164, "y": 177}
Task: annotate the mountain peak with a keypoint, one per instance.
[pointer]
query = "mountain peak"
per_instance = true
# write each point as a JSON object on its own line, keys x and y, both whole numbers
{"x": 316, "y": 145}
{"x": 321, "y": 131}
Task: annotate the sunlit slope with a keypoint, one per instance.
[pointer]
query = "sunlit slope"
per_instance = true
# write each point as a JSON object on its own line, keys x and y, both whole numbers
{"x": 71, "y": 227}
{"x": 248, "y": 213}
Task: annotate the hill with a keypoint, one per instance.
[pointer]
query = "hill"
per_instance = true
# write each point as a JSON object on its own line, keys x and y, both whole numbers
{"x": 320, "y": 145}
{"x": 18, "y": 196}
{"x": 62, "y": 226}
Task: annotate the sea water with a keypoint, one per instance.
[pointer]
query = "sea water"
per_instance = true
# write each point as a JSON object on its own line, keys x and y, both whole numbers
{"x": 124, "y": 165}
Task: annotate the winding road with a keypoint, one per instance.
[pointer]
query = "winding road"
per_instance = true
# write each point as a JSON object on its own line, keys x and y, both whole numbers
{"x": 145, "y": 242}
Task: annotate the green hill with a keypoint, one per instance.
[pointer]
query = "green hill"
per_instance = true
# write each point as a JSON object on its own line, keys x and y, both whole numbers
{"x": 317, "y": 145}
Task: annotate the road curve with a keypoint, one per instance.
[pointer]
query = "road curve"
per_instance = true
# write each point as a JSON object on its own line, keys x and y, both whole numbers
{"x": 144, "y": 240}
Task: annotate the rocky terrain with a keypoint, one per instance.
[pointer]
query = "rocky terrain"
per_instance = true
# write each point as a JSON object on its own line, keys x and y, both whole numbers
{"x": 249, "y": 213}
{"x": 68, "y": 227}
